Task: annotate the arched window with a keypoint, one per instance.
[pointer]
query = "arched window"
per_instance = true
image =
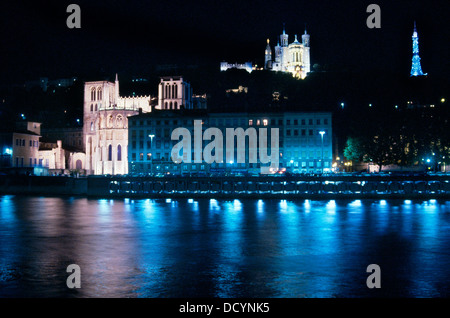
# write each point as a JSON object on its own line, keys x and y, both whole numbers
{"x": 92, "y": 107}
{"x": 176, "y": 91}
{"x": 95, "y": 107}
{"x": 171, "y": 105}
{"x": 109, "y": 153}
{"x": 93, "y": 93}
{"x": 119, "y": 121}
{"x": 110, "y": 121}
{"x": 92, "y": 126}
{"x": 99, "y": 93}
{"x": 175, "y": 105}
{"x": 119, "y": 153}
{"x": 173, "y": 91}
{"x": 165, "y": 105}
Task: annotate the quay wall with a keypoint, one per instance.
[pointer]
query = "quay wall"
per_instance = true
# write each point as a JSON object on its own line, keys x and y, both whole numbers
{"x": 230, "y": 187}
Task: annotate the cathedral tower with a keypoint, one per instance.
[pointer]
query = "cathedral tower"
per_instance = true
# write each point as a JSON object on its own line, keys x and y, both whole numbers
{"x": 268, "y": 57}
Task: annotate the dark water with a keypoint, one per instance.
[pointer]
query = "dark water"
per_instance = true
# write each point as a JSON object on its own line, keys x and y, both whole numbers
{"x": 220, "y": 248}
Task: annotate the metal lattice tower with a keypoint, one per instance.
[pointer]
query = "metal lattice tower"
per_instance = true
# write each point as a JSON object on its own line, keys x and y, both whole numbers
{"x": 416, "y": 68}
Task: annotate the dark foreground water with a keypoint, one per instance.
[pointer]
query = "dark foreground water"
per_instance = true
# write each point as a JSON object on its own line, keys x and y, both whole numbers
{"x": 220, "y": 248}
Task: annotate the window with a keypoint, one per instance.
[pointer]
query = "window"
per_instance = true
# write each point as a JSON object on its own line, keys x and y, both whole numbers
{"x": 303, "y": 122}
{"x": 149, "y": 156}
{"x": 310, "y": 121}
{"x": 31, "y": 143}
{"x": 265, "y": 122}
{"x": 325, "y": 121}
{"x": 133, "y": 156}
{"x": 119, "y": 153}
{"x": 311, "y": 133}
{"x": 303, "y": 132}
{"x": 250, "y": 122}
{"x": 258, "y": 122}
{"x": 295, "y": 121}
{"x": 99, "y": 93}
{"x": 295, "y": 132}
{"x": 23, "y": 143}
{"x": 92, "y": 93}
{"x": 288, "y": 122}
{"x": 288, "y": 132}
{"x": 110, "y": 153}
{"x": 141, "y": 156}
{"x": 92, "y": 107}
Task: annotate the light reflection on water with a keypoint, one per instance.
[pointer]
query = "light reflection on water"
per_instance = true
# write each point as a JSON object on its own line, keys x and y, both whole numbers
{"x": 223, "y": 248}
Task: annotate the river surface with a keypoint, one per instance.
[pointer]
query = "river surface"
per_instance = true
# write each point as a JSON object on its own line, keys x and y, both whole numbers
{"x": 223, "y": 248}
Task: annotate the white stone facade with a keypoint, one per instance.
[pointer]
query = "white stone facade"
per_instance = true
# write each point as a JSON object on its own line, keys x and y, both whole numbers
{"x": 292, "y": 58}
{"x": 105, "y": 126}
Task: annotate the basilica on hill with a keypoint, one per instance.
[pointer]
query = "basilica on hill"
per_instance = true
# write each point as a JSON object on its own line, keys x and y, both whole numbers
{"x": 292, "y": 58}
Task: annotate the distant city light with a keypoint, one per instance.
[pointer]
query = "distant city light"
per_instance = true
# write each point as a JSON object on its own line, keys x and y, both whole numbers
{"x": 342, "y": 105}
{"x": 428, "y": 160}
{"x": 370, "y": 105}
{"x": 442, "y": 100}
{"x": 8, "y": 151}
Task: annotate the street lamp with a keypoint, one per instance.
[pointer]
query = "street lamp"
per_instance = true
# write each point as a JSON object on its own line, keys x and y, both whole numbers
{"x": 151, "y": 153}
{"x": 321, "y": 135}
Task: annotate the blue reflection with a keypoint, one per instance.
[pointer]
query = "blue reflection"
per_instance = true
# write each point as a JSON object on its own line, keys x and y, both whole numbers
{"x": 331, "y": 207}
{"x": 252, "y": 248}
{"x": 260, "y": 206}
{"x": 214, "y": 205}
{"x": 7, "y": 209}
{"x": 307, "y": 206}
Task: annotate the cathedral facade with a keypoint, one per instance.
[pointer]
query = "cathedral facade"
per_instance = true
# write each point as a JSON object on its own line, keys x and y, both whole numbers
{"x": 291, "y": 58}
{"x": 105, "y": 126}
{"x": 105, "y": 120}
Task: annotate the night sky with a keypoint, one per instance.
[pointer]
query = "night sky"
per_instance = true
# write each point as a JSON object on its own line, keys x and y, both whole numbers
{"x": 134, "y": 36}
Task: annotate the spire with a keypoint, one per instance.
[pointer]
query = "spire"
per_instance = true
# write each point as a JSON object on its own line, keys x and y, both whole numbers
{"x": 117, "y": 78}
{"x": 284, "y": 29}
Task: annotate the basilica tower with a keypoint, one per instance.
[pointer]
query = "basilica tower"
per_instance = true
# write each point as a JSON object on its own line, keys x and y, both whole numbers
{"x": 268, "y": 57}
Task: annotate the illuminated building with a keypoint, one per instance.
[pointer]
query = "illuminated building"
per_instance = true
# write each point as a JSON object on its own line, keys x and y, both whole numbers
{"x": 292, "y": 58}
{"x": 300, "y": 141}
{"x": 105, "y": 125}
